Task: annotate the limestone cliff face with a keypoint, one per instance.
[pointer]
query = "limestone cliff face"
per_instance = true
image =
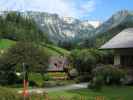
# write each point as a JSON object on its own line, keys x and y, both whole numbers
{"x": 61, "y": 28}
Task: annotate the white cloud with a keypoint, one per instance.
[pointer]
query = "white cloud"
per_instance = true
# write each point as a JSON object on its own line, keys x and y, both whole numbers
{"x": 72, "y": 8}
{"x": 88, "y": 6}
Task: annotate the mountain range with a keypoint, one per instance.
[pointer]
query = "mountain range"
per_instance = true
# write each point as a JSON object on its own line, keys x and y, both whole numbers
{"x": 68, "y": 29}
{"x": 61, "y": 28}
{"x": 116, "y": 23}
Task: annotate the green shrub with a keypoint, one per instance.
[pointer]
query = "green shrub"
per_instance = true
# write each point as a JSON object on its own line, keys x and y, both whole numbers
{"x": 82, "y": 78}
{"x": 111, "y": 74}
{"x": 6, "y": 94}
{"x": 96, "y": 83}
{"x": 83, "y": 60}
{"x": 73, "y": 73}
{"x": 97, "y": 54}
{"x": 46, "y": 77}
{"x": 107, "y": 57}
{"x": 8, "y": 77}
{"x": 108, "y": 75}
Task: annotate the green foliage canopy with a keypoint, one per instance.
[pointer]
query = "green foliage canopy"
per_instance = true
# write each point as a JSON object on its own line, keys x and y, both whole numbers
{"x": 83, "y": 60}
{"x": 14, "y": 26}
{"x": 34, "y": 57}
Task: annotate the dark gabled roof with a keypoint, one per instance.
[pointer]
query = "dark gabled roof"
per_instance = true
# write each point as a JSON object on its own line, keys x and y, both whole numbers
{"x": 123, "y": 39}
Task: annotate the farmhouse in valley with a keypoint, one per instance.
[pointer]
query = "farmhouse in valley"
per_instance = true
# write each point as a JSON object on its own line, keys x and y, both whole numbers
{"x": 122, "y": 44}
{"x": 57, "y": 63}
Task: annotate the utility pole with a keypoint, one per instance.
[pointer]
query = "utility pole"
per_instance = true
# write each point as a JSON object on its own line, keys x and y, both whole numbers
{"x": 25, "y": 81}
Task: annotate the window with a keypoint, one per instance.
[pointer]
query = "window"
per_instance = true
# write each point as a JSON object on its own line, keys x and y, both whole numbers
{"x": 127, "y": 60}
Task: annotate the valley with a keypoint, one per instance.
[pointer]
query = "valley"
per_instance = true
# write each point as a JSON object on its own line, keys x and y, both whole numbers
{"x": 33, "y": 42}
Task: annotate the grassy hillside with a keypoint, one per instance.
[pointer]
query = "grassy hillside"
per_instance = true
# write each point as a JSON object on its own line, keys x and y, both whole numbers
{"x": 56, "y": 50}
{"x": 51, "y": 49}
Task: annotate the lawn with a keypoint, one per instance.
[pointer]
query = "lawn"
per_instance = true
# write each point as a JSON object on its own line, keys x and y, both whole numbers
{"x": 55, "y": 51}
{"x": 5, "y": 43}
{"x": 50, "y": 76}
{"x": 108, "y": 93}
{"x": 57, "y": 74}
{"x": 37, "y": 78}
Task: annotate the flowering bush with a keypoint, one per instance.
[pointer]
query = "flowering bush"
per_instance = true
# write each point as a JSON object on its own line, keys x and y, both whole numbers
{"x": 107, "y": 75}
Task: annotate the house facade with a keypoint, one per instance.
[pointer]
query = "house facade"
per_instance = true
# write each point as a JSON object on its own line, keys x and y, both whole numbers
{"x": 123, "y": 57}
{"x": 122, "y": 45}
{"x": 57, "y": 63}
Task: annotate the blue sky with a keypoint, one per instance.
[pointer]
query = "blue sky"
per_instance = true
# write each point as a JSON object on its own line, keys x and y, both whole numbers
{"x": 82, "y": 9}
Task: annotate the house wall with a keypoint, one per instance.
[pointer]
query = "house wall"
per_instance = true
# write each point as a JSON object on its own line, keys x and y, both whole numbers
{"x": 121, "y": 52}
{"x": 117, "y": 60}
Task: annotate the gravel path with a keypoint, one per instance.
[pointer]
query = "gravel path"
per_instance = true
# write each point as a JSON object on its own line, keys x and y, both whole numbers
{"x": 60, "y": 88}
